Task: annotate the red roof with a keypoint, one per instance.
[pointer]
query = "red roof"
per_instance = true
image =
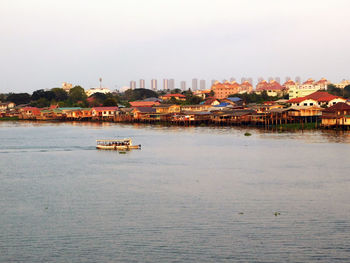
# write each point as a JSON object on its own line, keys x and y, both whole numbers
{"x": 309, "y": 82}
{"x": 322, "y": 81}
{"x": 320, "y": 96}
{"x": 143, "y": 103}
{"x": 209, "y": 101}
{"x": 289, "y": 83}
{"x": 174, "y": 95}
{"x": 340, "y": 106}
{"x": 105, "y": 108}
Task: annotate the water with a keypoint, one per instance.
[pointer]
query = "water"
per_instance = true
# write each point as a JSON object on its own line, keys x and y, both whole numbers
{"x": 190, "y": 195}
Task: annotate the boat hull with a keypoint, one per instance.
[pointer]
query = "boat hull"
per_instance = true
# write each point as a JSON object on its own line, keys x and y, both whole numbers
{"x": 120, "y": 148}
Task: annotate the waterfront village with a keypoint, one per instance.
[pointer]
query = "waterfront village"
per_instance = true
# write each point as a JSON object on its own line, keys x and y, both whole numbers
{"x": 309, "y": 104}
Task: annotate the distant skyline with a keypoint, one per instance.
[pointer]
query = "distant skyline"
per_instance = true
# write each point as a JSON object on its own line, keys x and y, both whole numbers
{"x": 45, "y": 43}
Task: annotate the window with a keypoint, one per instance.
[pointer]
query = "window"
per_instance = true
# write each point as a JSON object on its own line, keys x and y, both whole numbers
{"x": 305, "y": 104}
{"x": 311, "y": 104}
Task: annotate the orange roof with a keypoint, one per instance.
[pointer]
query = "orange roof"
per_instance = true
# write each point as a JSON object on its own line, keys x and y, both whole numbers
{"x": 143, "y": 103}
{"x": 246, "y": 83}
{"x": 174, "y": 95}
{"x": 272, "y": 85}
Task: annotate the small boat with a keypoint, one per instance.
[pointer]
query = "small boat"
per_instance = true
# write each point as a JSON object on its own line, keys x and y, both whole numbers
{"x": 124, "y": 144}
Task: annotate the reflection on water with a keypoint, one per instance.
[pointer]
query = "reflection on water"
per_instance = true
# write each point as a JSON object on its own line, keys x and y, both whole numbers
{"x": 192, "y": 194}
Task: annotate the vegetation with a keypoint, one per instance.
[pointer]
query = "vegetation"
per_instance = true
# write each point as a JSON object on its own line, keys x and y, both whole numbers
{"x": 345, "y": 93}
{"x": 138, "y": 94}
{"x": 255, "y": 98}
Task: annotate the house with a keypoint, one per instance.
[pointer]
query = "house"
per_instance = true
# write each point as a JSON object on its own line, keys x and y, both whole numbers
{"x": 143, "y": 103}
{"x": 51, "y": 114}
{"x": 78, "y": 114}
{"x": 104, "y": 112}
{"x": 235, "y": 101}
{"x": 192, "y": 116}
{"x": 176, "y": 96}
{"x": 202, "y": 93}
{"x": 6, "y": 106}
{"x": 319, "y": 98}
{"x": 211, "y": 101}
{"x": 272, "y": 88}
{"x": 199, "y": 107}
{"x": 232, "y": 116}
{"x": 167, "y": 108}
{"x": 336, "y": 115}
{"x": 29, "y": 113}
{"x": 144, "y": 113}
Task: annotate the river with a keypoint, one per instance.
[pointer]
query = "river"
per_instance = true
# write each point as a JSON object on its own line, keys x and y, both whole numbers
{"x": 191, "y": 194}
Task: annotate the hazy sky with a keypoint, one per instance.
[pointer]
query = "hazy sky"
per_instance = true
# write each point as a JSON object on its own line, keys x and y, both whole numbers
{"x": 46, "y": 42}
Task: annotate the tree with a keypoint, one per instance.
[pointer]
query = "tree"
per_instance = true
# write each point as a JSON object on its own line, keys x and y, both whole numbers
{"x": 60, "y": 94}
{"x": 19, "y": 98}
{"x": 38, "y": 94}
{"x": 138, "y": 94}
{"x": 76, "y": 94}
{"x": 110, "y": 102}
{"x": 40, "y": 103}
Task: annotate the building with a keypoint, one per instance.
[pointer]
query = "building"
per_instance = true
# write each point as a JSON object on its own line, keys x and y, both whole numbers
{"x": 165, "y": 84}
{"x": 273, "y": 88}
{"x": 183, "y": 85}
{"x": 246, "y": 87}
{"x": 342, "y": 84}
{"x": 308, "y": 87}
{"x": 223, "y": 90}
{"x": 132, "y": 84}
{"x": 66, "y": 86}
{"x": 171, "y": 84}
{"x": 202, "y": 85}
{"x": 89, "y": 92}
{"x": 194, "y": 84}
{"x": 142, "y": 84}
{"x": 154, "y": 84}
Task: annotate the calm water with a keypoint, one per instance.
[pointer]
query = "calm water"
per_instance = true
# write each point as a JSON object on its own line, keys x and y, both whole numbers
{"x": 190, "y": 195}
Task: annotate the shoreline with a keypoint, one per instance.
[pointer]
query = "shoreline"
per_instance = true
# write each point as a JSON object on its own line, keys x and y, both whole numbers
{"x": 286, "y": 127}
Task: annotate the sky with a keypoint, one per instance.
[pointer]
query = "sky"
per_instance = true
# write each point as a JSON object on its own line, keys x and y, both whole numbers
{"x": 46, "y": 42}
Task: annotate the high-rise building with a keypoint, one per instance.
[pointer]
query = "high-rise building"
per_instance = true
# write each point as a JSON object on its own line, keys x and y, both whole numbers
{"x": 154, "y": 84}
{"x": 194, "y": 84}
{"x": 202, "y": 84}
{"x": 232, "y": 79}
{"x": 213, "y": 81}
{"x": 183, "y": 85}
{"x": 165, "y": 84}
{"x": 142, "y": 83}
{"x": 132, "y": 84}
{"x": 171, "y": 84}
